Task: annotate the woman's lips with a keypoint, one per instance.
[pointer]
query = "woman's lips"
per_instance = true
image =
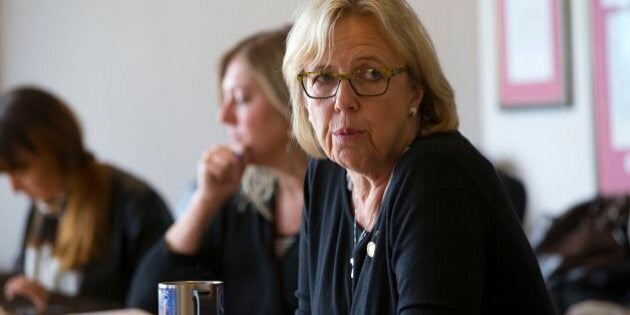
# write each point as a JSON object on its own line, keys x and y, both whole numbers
{"x": 235, "y": 137}
{"x": 347, "y": 133}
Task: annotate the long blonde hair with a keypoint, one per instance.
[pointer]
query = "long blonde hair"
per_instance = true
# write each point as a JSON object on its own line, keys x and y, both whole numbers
{"x": 311, "y": 37}
{"x": 36, "y": 121}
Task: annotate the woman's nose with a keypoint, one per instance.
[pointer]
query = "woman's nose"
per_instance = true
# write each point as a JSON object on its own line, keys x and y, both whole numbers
{"x": 346, "y": 98}
{"x": 226, "y": 113}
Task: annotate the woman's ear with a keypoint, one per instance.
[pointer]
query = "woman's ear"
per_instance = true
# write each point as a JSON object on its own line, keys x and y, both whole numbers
{"x": 416, "y": 95}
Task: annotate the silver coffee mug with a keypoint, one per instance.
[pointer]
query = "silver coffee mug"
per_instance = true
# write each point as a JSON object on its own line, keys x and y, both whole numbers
{"x": 190, "y": 297}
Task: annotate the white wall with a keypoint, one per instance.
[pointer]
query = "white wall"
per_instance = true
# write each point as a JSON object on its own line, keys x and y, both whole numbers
{"x": 552, "y": 148}
{"x": 453, "y": 27}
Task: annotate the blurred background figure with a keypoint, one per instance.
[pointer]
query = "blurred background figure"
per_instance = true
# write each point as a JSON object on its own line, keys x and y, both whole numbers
{"x": 585, "y": 256}
{"x": 242, "y": 221}
{"x": 516, "y": 191}
{"x": 89, "y": 223}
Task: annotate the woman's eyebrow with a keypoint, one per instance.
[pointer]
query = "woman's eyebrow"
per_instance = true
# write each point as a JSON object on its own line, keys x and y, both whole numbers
{"x": 367, "y": 59}
{"x": 320, "y": 67}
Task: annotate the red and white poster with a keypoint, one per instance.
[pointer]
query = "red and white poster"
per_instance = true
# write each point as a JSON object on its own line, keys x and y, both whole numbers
{"x": 533, "y": 64}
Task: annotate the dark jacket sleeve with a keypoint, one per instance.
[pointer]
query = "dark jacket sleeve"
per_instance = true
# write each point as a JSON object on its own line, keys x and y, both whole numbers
{"x": 304, "y": 274}
{"x": 438, "y": 228}
{"x": 303, "y": 291}
{"x": 147, "y": 219}
{"x": 159, "y": 265}
{"x": 139, "y": 218}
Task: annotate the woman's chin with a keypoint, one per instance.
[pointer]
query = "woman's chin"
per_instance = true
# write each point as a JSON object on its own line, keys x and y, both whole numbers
{"x": 354, "y": 162}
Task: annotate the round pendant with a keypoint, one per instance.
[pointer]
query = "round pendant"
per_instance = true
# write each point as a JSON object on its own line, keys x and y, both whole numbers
{"x": 371, "y": 247}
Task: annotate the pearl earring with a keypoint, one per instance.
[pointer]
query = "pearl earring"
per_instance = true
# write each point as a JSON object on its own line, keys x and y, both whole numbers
{"x": 413, "y": 111}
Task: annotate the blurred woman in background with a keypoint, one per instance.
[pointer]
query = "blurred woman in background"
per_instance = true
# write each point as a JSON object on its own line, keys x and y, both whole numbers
{"x": 242, "y": 221}
{"x": 89, "y": 223}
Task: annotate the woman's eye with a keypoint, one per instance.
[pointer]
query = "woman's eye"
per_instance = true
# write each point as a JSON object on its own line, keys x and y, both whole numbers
{"x": 324, "y": 78}
{"x": 241, "y": 99}
{"x": 373, "y": 74}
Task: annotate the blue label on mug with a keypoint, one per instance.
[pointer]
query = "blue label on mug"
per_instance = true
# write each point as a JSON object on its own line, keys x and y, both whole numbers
{"x": 167, "y": 300}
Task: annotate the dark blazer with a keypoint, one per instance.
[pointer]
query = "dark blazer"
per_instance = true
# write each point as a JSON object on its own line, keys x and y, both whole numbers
{"x": 138, "y": 217}
{"x": 238, "y": 249}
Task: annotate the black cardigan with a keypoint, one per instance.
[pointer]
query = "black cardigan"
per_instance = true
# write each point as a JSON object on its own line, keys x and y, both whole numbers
{"x": 445, "y": 241}
{"x": 238, "y": 250}
{"x": 138, "y": 217}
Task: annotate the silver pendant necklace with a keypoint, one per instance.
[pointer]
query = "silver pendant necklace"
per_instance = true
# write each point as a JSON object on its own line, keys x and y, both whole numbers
{"x": 364, "y": 232}
{"x": 357, "y": 241}
{"x": 371, "y": 246}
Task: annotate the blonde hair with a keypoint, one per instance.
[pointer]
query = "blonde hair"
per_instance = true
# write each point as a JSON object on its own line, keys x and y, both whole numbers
{"x": 35, "y": 121}
{"x": 263, "y": 52}
{"x": 312, "y": 36}
{"x": 85, "y": 228}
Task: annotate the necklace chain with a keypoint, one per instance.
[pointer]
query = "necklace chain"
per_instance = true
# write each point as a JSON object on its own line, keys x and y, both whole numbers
{"x": 372, "y": 216}
{"x": 370, "y": 222}
{"x": 365, "y": 230}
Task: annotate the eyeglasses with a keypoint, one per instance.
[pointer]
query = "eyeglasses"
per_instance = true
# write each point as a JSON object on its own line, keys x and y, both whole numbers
{"x": 367, "y": 82}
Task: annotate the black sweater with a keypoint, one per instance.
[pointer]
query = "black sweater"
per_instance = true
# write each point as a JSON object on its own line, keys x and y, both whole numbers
{"x": 138, "y": 218}
{"x": 238, "y": 250}
{"x": 446, "y": 241}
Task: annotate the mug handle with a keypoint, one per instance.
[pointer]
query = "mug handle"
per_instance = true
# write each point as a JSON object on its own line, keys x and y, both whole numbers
{"x": 203, "y": 301}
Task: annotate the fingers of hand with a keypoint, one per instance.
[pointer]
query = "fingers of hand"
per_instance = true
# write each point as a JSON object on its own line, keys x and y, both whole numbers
{"x": 220, "y": 165}
{"x": 224, "y": 169}
{"x": 21, "y": 286}
{"x": 14, "y": 286}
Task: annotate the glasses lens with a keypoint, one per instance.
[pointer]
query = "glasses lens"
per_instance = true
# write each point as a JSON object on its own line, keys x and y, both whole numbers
{"x": 369, "y": 82}
{"x": 320, "y": 85}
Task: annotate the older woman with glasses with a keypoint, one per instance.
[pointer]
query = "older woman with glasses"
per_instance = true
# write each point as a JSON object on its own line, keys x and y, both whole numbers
{"x": 402, "y": 214}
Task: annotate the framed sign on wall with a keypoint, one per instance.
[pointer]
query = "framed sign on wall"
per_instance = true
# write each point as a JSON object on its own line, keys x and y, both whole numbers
{"x": 611, "y": 51}
{"x": 533, "y": 61}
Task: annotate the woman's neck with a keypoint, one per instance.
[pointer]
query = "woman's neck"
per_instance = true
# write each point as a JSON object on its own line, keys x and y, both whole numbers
{"x": 367, "y": 194}
{"x": 290, "y": 194}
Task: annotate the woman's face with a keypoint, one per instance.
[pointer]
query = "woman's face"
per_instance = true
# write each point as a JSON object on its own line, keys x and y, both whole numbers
{"x": 365, "y": 134}
{"x": 253, "y": 123}
{"x": 38, "y": 177}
